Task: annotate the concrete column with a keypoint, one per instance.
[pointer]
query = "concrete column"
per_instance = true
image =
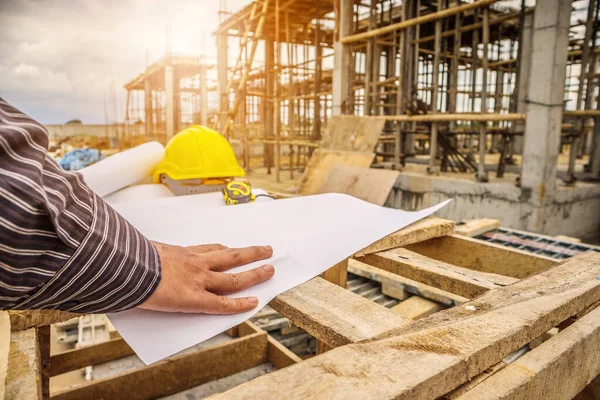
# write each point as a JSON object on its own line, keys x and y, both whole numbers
{"x": 544, "y": 112}
{"x": 148, "y": 126}
{"x": 203, "y": 97}
{"x": 170, "y": 108}
{"x": 343, "y": 62}
{"x": 523, "y": 79}
{"x": 222, "y": 78}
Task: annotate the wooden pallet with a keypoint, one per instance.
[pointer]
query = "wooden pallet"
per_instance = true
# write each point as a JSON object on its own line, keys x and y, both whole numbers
{"x": 375, "y": 352}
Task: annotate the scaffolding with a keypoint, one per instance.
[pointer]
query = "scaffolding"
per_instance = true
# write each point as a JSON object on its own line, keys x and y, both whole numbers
{"x": 170, "y": 95}
{"x": 441, "y": 62}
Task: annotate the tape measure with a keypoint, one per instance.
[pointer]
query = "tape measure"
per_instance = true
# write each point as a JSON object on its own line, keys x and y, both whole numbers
{"x": 236, "y": 192}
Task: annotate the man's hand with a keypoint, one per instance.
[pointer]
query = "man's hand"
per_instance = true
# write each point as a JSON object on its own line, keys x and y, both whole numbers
{"x": 193, "y": 280}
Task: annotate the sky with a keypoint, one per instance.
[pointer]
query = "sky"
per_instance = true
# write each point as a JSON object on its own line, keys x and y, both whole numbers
{"x": 60, "y": 59}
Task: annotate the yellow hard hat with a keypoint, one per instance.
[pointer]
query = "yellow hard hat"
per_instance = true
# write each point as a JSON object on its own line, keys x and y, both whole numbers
{"x": 198, "y": 152}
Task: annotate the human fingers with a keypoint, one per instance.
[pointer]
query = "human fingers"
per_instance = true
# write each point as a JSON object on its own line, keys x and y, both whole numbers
{"x": 223, "y": 283}
{"x": 214, "y": 304}
{"x": 226, "y": 259}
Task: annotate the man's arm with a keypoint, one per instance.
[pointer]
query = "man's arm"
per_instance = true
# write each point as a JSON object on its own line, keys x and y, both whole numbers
{"x": 62, "y": 247}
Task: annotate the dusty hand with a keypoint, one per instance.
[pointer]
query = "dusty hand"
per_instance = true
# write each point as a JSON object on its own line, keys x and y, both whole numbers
{"x": 193, "y": 280}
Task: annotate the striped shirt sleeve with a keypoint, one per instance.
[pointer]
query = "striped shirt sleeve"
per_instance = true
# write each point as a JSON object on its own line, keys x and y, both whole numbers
{"x": 61, "y": 246}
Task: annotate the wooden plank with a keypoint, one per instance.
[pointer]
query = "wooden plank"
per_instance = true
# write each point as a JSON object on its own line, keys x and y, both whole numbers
{"x": 558, "y": 369}
{"x": 177, "y": 373}
{"x": 416, "y": 307}
{"x": 413, "y": 287}
{"x": 21, "y": 320}
{"x": 322, "y": 161}
{"x": 368, "y": 184}
{"x": 338, "y": 274}
{"x": 279, "y": 355}
{"x": 450, "y": 347}
{"x": 334, "y": 315}
{"x": 441, "y": 275}
{"x": 483, "y": 256}
{"x": 24, "y": 370}
{"x": 427, "y": 228}
{"x": 352, "y": 133}
{"x": 91, "y": 355}
{"x": 476, "y": 227}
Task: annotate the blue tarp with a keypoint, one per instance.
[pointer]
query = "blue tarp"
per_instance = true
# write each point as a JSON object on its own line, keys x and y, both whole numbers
{"x": 78, "y": 159}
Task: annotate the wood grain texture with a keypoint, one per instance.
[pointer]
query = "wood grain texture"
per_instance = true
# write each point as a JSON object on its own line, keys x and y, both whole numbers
{"x": 476, "y": 227}
{"x": 24, "y": 371}
{"x": 425, "y": 229}
{"x": 279, "y": 355}
{"x": 450, "y": 347}
{"x": 322, "y": 161}
{"x": 368, "y": 184}
{"x": 352, "y": 133}
{"x": 413, "y": 287}
{"x": 177, "y": 373}
{"x": 338, "y": 274}
{"x": 334, "y": 315}
{"x": 559, "y": 368}
{"x": 91, "y": 355}
{"x": 416, "y": 307}
{"x": 483, "y": 256}
{"x": 461, "y": 281}
{"x": 20, "y": 320}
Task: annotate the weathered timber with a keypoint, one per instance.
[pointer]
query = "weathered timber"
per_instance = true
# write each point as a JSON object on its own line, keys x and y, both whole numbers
{"x": 425, "y": 229}
{"x": 279, "y": 355}
{"x": 482, "y": 256}
{"x": 444, "y": 276}
{"x": 177, "y": 373}
{"x": 476, "y": 227}
{"x": 416, "y": 307}
{"x": 92, "y": 355}
{"x": 21, "y": 320}
{"x": 384, "y": 277}
{"x": 451, "y": 346}
{"x": 558, "y": 369}
{"x": 24, "y": 370}
{"x": 334, "y": 315}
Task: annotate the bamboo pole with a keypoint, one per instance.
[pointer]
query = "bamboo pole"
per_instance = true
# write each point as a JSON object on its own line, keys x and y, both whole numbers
{"x": 415, "y": 21}
{"x": 481, "y": 172}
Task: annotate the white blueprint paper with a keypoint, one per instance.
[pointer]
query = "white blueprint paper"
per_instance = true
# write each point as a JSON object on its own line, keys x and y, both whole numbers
{"x": 309, "y": 235}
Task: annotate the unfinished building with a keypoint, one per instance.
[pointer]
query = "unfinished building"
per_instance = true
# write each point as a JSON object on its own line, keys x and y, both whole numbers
{"x": 472, "y": 96}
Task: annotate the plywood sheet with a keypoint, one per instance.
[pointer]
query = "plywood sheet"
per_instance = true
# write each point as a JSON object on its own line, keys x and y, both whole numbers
{"x": 368, "y": 184}
{"x": 352, "y": 133}
{"x": 321, "y": 163}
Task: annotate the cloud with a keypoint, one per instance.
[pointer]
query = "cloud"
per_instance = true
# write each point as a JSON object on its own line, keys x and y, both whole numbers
{"x": 59, "y": 58}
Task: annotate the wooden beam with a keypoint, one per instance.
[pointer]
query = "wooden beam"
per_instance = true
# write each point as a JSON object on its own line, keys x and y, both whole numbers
{"x": 334, "y": 315}
{"x": 449, "y": 347}
{"x": 416, "y": 21}
{"x": 425, "y": 229}
{"x": 338, "y": 274}
{"x": 279, "y": 355}
{"x": 177, "y": 373}
{"x": 461, "y": 281}
{"x": 92, "y": 355}
{"x": 483, "y": 256}
{"x": 476, "y": 227}
{"x": 21, "y": 320}
{"x": 558, "y": 369}
{"x": 24, "y": 370}
{"x": 413, "y": 287}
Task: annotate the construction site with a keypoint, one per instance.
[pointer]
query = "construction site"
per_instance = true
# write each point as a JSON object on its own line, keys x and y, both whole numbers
{"x": 403, "y": 104}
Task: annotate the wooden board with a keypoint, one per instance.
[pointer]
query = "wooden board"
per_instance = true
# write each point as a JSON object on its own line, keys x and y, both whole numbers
{"x": 20, "y": 320}
{"x": 416, "y": 307}
{"x": 413, "y": 287}
{"x": 353, "y": 319}
{"x": 177, "y": 373}
{"x": 476, "y": 227}
{"x": 279, "y": 355}
{"x": 461, "y": 281}
{"x": 558, "y": 369}
{"x": 483, "y": 256}
{"x": 322, "y": 161}
{"x": 92, "y": 355}
{"x": 368, "y": 184}
{"x": 352, "y": 133}
{"x": 449, "y": 347}
{"x": 427, "y": 228}
{"x": 24, "y": 370}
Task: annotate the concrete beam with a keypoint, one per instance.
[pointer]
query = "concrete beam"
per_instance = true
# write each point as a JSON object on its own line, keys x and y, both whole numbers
{"x": 544, "y": 111}
{"x": 523, "y": 79}
{"x": 343, "y": 62}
